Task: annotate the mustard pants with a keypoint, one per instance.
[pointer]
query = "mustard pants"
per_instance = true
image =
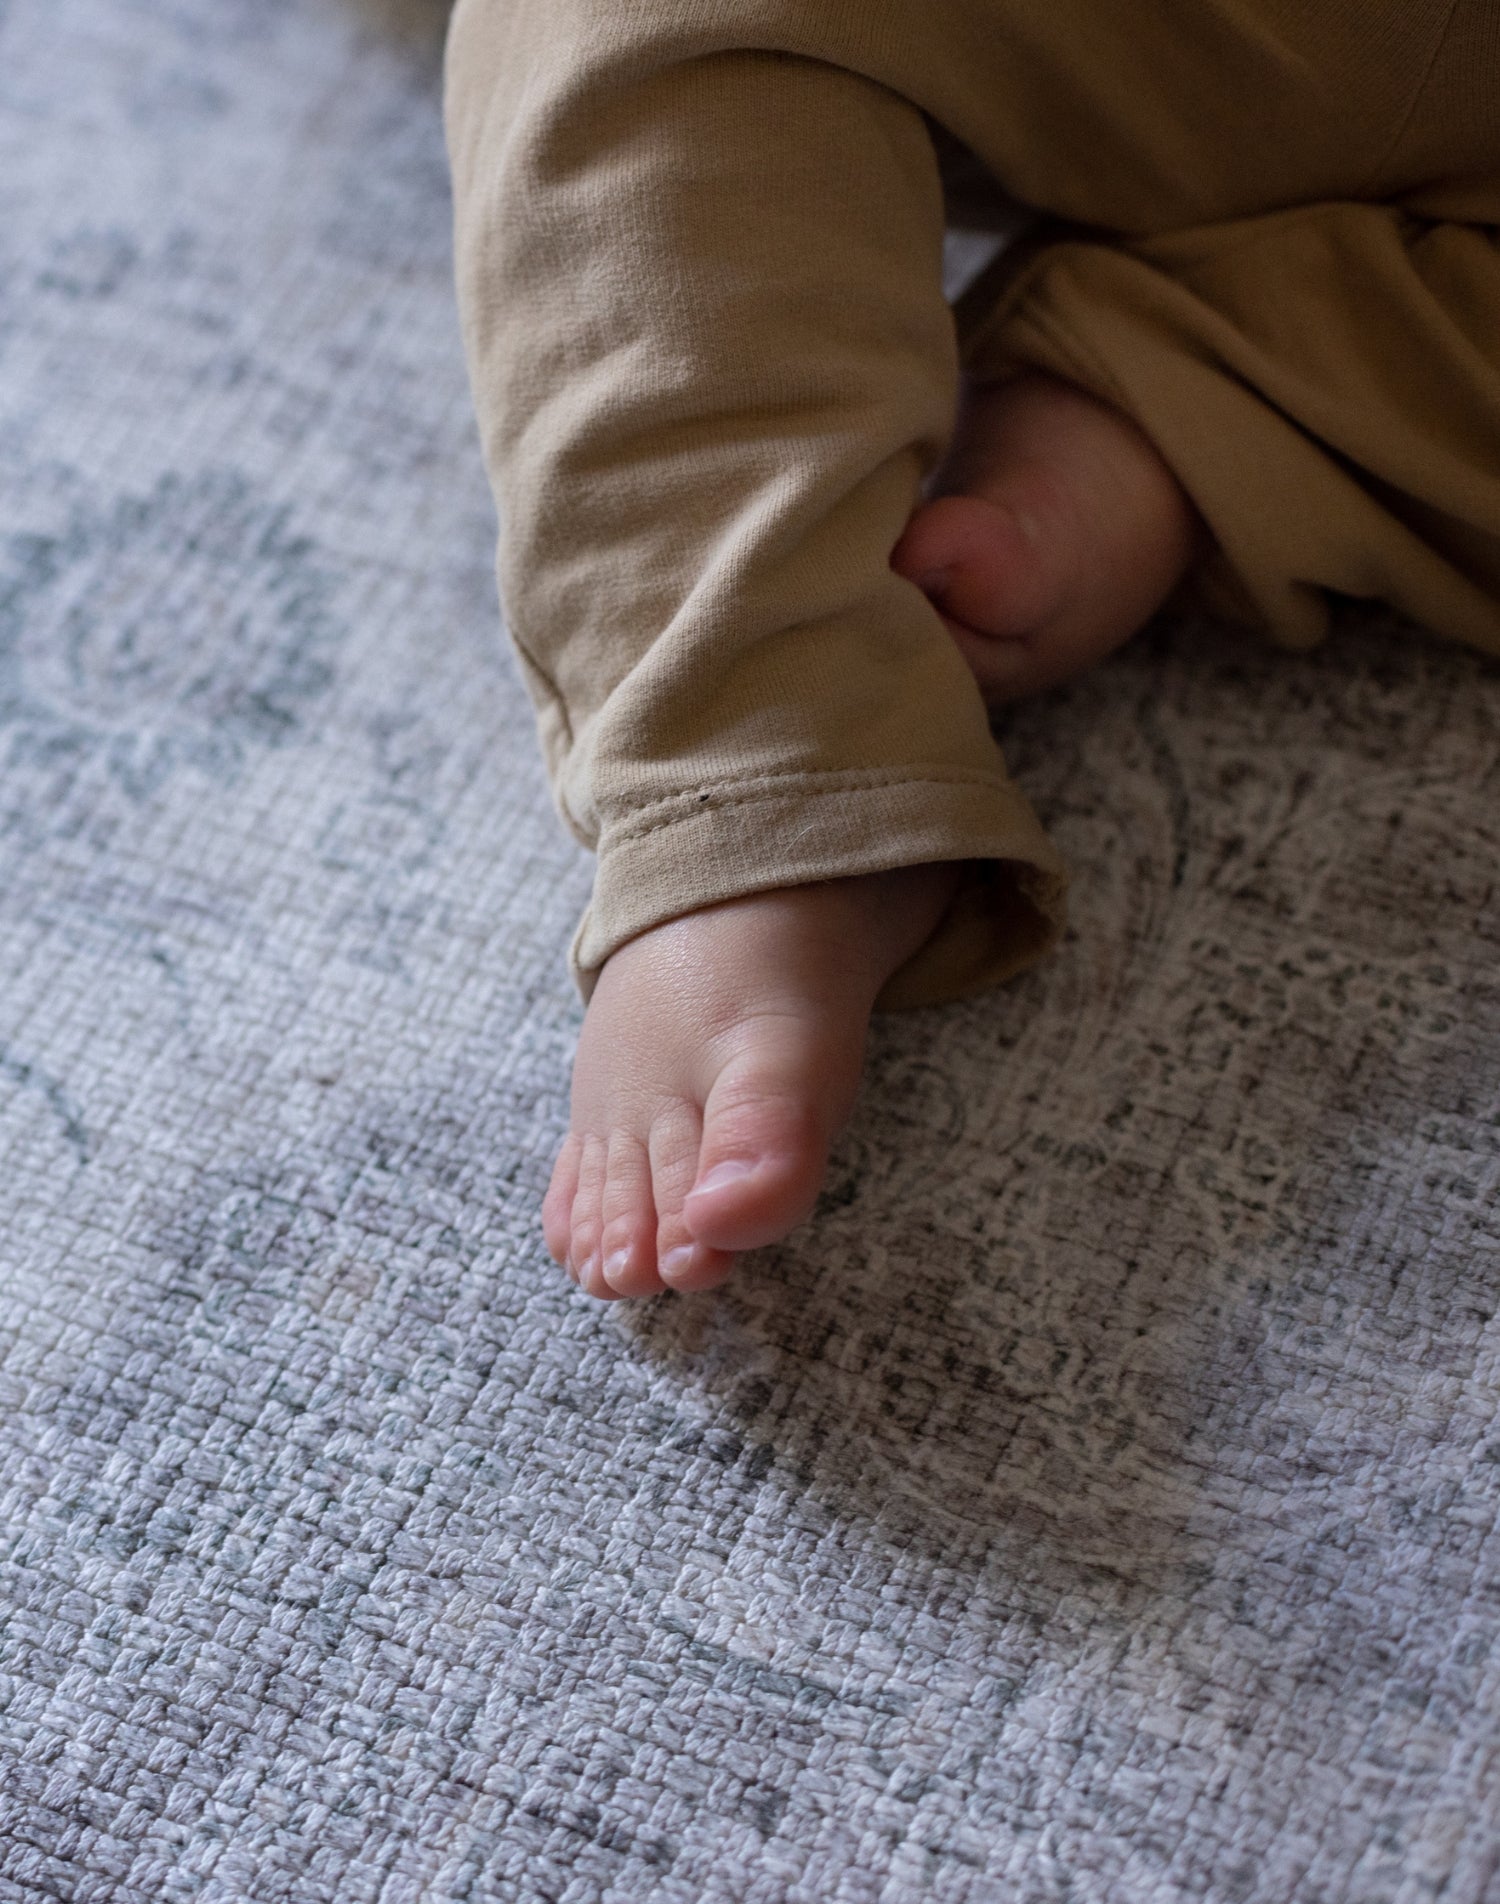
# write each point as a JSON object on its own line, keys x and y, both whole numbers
{"x": 699, "y": 256}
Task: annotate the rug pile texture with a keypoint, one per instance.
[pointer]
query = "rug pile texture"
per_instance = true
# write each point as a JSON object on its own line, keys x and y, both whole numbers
{"x": 1097, "y": 1501}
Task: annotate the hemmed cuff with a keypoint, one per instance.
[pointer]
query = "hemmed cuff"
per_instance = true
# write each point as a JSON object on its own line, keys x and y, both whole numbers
{"x": 702, "y": 848}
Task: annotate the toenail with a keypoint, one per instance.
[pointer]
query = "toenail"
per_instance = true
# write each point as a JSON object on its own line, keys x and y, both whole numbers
{"x": 586, "y": 1273}
{"x": 675, "y": 1262}
{"x": 722, "y": 1175}
{"x": 616, "y": 1265}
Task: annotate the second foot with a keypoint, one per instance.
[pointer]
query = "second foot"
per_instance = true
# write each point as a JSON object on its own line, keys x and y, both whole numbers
{"x": 719, "y": 1057}
{"x": 1053, "y": 532}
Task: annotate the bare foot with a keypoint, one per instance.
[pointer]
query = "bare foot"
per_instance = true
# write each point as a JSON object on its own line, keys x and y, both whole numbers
{"x": 1053, "y": 532}
{"x": 721, "y": 1051}
{"x": 720, "y": 1055}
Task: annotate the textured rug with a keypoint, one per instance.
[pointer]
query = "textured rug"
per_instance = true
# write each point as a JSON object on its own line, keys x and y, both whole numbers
{"x": 1096, "y": 1502}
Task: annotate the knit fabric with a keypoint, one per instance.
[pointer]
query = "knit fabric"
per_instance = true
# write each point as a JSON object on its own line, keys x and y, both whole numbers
{"x": 698, "y": 250}
{"x": 1096, "y": 1501}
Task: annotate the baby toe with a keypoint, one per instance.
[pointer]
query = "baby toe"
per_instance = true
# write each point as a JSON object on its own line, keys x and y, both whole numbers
{"x": 682, "y": 1262}
{"x": 765, "y": 1139}
{"x": 980, "y": 563}
{"x": 557, "y": 1206}
{"x": 587, "y": 1222}
{"x": 628, "y": 1243}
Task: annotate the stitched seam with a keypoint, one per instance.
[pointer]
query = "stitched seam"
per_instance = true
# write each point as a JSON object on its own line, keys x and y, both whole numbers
{"x": 639, "y": 823}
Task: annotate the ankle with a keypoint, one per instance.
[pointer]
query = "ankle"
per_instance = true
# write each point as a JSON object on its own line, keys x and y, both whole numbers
{"x": 869, "y": 924}
{"x": 909, "y": 902}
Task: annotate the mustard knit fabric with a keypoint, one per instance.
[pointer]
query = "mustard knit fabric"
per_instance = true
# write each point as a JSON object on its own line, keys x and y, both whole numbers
{"x": 699, "y": 256}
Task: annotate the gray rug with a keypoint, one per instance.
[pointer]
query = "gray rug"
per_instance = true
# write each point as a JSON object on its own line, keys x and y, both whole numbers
{"x": 1097, "y": 1502}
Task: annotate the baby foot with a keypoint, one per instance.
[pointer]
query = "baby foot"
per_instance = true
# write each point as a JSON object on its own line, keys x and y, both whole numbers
{"x": 1054, "y": 531}
{"x": 720, "y": 1055}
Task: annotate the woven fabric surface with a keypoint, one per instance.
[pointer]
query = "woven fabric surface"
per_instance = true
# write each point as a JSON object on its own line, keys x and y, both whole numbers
{"x": 1097, "y": 1501}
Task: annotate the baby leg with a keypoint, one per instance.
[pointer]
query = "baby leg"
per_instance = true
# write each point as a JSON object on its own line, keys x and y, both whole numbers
{"x": 704, "y": 314}
{"x": 1270, "y": 260}
{"x": 722, "y": 1050}
{"x": 1324, "y": 384}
